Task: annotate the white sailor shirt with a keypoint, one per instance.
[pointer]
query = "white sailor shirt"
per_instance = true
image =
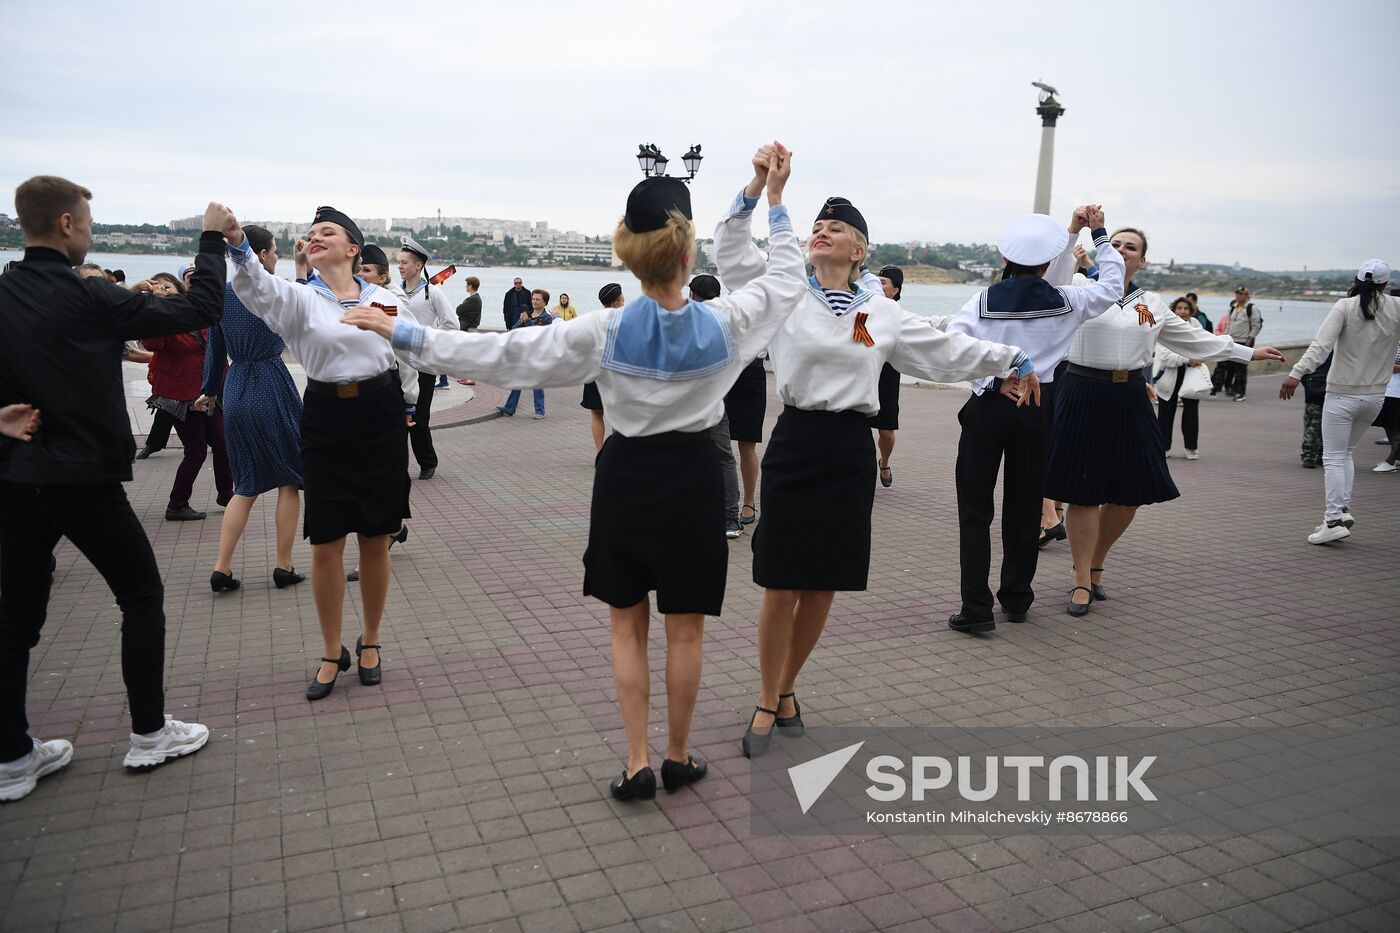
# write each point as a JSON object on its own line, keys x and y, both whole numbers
{"x": 429, "y": 306}
{"x": 819, "y": 362}
{"x": 307, "y": 316}
{"x": 1039, "y": 317}
{"x": 656, "y": 370}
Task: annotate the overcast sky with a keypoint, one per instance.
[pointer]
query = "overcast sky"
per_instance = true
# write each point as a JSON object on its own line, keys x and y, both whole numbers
{"x": 1262, "y": 132}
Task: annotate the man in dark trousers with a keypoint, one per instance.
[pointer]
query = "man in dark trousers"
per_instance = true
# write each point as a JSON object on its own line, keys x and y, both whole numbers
{"x": 60, "y": 351}
{"x": 517, "y": 302}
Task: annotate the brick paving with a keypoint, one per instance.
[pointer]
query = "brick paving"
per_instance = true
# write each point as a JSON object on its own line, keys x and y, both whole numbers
{"x": 469, "y": 791}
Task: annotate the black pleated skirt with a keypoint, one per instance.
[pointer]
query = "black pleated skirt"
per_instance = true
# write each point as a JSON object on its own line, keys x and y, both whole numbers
{"x": 1389, "y": 415}
{"x": 1105, "y": 445}
{"x": 888, "y": 418}
{"x": 657, "y": 523}
{"x": 591, "y": 399}
{"x": 816, "y": 492}
{"x": 747, "y": 403}
{"x": 354, "y": 464}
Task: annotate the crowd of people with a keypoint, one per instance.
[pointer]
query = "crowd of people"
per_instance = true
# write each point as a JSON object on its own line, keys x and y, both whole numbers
{"x": 1065, "y": 356}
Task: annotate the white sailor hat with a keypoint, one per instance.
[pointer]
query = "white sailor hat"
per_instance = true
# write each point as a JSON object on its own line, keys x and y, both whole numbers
{"x": 1032, "y": 240}
{"x": 413, "y": 246}
{"x": 1375, "y": 270}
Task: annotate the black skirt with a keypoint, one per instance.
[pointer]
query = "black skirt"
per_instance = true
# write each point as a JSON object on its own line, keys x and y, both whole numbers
{"x": 591, "y": 399}
{"x": 1106, "y": 445}
{"x": 354, "y": 464}
{"x": 888, "y": 417}
{"x": 747, "y": 403}
{"x": 1389, "y": 415}
{"x": 817, "y": 490}
{"x": 657, "y": 523}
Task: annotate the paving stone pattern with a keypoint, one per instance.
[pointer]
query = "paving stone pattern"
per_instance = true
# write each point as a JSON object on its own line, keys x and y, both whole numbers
{"x": 469, "y": 791}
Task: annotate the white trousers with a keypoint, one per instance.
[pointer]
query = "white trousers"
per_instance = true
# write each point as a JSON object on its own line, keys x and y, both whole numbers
{"x": 1345, "y": 419}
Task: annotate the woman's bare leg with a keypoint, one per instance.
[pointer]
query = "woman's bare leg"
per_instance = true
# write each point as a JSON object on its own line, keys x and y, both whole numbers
{"x": 231, "y": 530}
{"x": 685, "y": 636}
{"x": 328, "y": 587}
{"x": 288, "y": 511}
{"x": 632, "y": 678}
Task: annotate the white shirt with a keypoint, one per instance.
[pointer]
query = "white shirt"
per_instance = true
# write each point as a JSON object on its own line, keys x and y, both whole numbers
{"x": 308, "y": 317}
{"x": 567, "y": 353}
{"x": 1168, "y": 364}
{"x": 1361, "y": 357}
{"x": 819, "y": 364}
{"x": 429, "y": 306}
{"x": 1045, "y": 335}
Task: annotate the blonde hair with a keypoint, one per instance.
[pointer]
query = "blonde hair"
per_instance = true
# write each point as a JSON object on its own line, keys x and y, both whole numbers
{"x": 864, "y": 244}
{"x": 656, "y": 257}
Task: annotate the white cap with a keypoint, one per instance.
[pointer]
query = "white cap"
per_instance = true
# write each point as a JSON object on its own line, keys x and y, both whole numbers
{"x": 412, "y": 245}
{"x": 1032, "y": 240}
{"x": 1374, "y": 269}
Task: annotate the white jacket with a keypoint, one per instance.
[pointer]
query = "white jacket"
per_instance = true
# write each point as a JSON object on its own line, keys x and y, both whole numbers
{"x": 1169, "y": 364}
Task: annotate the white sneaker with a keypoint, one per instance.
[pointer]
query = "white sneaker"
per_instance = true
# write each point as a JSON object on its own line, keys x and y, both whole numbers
{"x": 1328, "y": 532}
{"x": 1384, "y": 467}
{"x": 176, "y": 740}
{"x": 1169, "y": 455}
{"x": 17, "y": 778}
{"x": 1347, "y": 520}
{"x": 1193, "y": 455}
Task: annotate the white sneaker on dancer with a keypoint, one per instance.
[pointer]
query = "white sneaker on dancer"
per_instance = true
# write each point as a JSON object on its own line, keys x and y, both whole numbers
{"x": 1328, "y": 532}
{"x": 17, "y": 778}
{"x": 175, "y": 740}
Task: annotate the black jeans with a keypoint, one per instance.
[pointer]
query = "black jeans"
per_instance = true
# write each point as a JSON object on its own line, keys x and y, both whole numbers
{"x": 992, "y": 426}
{"x": 1190, "y": 416}
{"x": 420, "y": 436}
{"x": 159, "y": 435}
{"x": 100, "y": 523}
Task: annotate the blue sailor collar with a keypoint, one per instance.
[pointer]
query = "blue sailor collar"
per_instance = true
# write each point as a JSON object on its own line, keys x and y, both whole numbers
{"x": 644, "y": 339}
{"x": 366, "y": 290}
{"x": 1130, "y": 294}
{"x": 1023, "y": 298}
{"x": 861, "y": 295}
{"x": 422, "y": 284}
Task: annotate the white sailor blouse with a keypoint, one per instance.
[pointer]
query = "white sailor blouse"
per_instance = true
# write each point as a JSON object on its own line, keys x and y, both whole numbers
{"x": 1039, "y": 317}
{"x": 307, "y": 316}
{"x": 429, "y": 306}
{"x": 826, "y": 361}
{"x": 656, "y": 370}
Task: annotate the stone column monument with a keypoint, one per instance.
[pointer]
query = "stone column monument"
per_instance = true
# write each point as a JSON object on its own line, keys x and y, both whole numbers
{"x": 1050, "y": 111}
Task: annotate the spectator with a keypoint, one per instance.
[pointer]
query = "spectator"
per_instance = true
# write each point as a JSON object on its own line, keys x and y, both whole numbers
{"x": 1389, "y": 419}
{"x": 1172, "y": 367}
{"x": 516, "y": 303}
{"x": 537, "y": 316}
{"x": 1198, "y": 314}
{"x": 564, "y": 311}
{"x": 1314, "y": 397}
{"x": 1242, "y": 325}
{"x": 469, "y": 314}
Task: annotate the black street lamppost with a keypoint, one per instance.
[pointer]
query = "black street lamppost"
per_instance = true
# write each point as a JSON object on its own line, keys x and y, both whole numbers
{"x": 652, "y": 162}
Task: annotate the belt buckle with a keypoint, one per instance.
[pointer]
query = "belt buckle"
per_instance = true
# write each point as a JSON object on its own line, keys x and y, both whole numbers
{"x": 1120, "y": 375}
{"x": 347, "y": 390}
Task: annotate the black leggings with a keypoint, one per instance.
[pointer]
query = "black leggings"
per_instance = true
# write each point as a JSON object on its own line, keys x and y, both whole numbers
{"x": 1190, "y": 416}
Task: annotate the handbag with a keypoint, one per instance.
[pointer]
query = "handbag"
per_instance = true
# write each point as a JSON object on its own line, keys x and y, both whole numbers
{"x": 1197, "y": 382}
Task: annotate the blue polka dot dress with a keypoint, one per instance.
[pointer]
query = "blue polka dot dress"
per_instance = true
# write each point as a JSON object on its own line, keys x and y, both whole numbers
{"x": 262, "y": 407}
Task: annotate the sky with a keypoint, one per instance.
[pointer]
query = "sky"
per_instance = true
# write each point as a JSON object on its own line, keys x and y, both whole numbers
{"x": 1231, "y": 131}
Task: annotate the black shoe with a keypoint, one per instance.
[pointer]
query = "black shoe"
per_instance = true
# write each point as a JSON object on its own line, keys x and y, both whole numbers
{"x": 352, "y": 577}
{"x": 756, "y": 744}
{"x": 640, "y": 786}
{"x": 285, "y": 578}
{"x": 790, "y": 725}
{"x": 223, "y": 501}
{"x": 369, "y": 676}
{"x": 399, "y": 538}
{"x": 1053, "y": 533}
{"x": 962, "y": 623}
{"x": 886, "y": 481}
{"x": 675, "y": 774}
{"x": 1074, "y": 608}
{"x": 145, "y": 452}
{"x": 1015, "y": 616}
{"x": 1096, "y": 589}
{"x": 185, "y": 514}
{"x": 1308, "y": 464}
{"x": 753, "y": 515}
{"x": 427, "y": 472}
{"x": 220, "y": 581}
{"x": 319, "y": 691}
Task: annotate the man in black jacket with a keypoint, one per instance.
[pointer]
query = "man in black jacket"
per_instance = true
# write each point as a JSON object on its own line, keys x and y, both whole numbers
{"x": 517, "y": 302}
{"x": 60, "y": 351}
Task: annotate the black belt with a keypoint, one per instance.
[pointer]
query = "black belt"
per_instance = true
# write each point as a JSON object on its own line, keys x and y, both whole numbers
{"x": 352, "y": 389}
{"x": 666, "y": 437}
{"x": 1111, "y": 375}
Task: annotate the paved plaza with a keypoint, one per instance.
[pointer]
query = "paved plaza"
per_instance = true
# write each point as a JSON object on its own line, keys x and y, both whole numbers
{"x": 469, "y": 791}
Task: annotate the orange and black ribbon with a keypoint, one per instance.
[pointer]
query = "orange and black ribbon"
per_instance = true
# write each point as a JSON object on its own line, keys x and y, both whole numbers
{"x": 1145, "y": 315}
{"x": 391, "y": 310}
{"x": 859, "y": 333}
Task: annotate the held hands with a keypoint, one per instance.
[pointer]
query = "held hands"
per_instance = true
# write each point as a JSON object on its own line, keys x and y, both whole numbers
{"x": 1018, "y": 389}
{"x": 367, "y": 318}
{"x": 1094, "y": 217}
{"x": 1078, "y": 221}
{"x": 780, "y": 170}
{"x": 762, "y": 162}
{"x": 220, "y": 219}
{"x": 1290, "y": 385}
{"x": 19, "y": 421}
{"x": 1151, "y": 393}
{"x": 206, "y": 403}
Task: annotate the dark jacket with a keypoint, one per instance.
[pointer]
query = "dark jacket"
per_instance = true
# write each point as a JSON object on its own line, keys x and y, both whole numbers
{"x": 544, "y": 318}
{"x": 177, "y": 371}
{"x": 60, "y": 350}
{"x": 515, "y": 302}
{"x": 469, "y": 312}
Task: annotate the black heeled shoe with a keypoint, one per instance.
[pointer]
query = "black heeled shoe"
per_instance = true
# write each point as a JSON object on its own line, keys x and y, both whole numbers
{"x": 220, "y": 581}
{"x": 754, "y": 743}
{"x": 1073, "y": 608}
{"x": 640, "y": 786}
{"x": 399, "y": 538}
{"x": 675, "y": 774}
{"x": 369, "y": 676}
{"x": 319, "y": 691}
{"x": 886, "y": 481}
{"x": 790, "y": 725}
{"x": 285, "y": 578}
{"x": 1096, "y": 589}
{"x": 353, "y": 576}
{"x": 1053, "y": 533}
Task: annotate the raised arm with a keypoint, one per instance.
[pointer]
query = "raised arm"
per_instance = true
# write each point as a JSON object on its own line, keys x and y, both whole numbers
{"x": 737, "y": 257}
{"x": 1094, "y": 297}
{"x": 269, "y": 297}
